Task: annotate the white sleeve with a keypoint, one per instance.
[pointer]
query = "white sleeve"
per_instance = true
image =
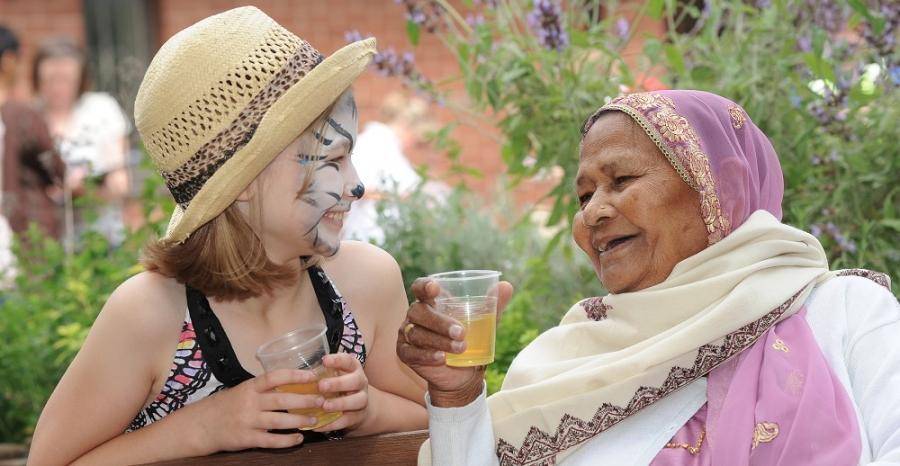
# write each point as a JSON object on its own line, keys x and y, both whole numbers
{"x": 461, "y": 436}
{"x": 873, "y": 363}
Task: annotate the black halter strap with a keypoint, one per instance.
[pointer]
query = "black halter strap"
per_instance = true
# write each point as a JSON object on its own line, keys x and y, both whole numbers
{"x": 216, "y": 348}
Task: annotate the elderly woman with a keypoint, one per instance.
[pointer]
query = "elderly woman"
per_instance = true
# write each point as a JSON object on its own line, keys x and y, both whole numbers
{"x": 725, "y": 339}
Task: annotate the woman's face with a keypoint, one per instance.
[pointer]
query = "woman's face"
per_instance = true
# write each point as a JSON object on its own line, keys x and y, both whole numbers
{"x": 311, "y": 222}
{"x": 638, "y": 218}
{"x": 58, "y": 81}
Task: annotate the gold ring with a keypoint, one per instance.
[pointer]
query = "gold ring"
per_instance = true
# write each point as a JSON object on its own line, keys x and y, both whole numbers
{"x": 406, "y": 328}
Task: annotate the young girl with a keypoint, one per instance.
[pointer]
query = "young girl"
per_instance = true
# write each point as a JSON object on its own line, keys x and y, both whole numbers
{"x": 253, "y": 131}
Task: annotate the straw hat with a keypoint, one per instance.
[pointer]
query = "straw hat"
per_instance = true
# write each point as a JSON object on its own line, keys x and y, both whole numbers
{"x": 225, "y": 96}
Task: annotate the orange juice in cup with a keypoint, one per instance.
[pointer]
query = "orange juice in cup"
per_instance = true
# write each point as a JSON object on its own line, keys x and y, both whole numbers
{"x": 301, "y": 349}
{"x": 470, "y": 296}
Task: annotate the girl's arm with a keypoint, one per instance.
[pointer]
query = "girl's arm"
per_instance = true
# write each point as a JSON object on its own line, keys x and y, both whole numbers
{"x": 108, "y": 381}
{"x": 113, "y": 374}
{"x": 396, "y": 393}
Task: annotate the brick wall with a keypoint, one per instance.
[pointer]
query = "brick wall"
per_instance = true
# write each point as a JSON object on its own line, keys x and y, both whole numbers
{"x": 323, "y": 24}
{"x": 36, "y": 20}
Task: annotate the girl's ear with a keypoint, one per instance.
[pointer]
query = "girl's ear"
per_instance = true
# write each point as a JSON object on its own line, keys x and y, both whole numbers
{"x": 249, "y": 192}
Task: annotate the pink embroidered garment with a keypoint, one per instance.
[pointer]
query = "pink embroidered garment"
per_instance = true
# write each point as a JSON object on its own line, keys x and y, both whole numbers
{"x": 715, "y": 316}
{"x": 777, "y": 402}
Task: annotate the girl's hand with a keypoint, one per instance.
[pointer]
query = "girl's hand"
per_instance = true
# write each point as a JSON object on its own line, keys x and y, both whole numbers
{"x": 352, "y": 388}
{"x": 240, "y": 417}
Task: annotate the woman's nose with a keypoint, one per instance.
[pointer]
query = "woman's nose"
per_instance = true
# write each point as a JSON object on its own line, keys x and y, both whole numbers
{"x": 596, "y": 211}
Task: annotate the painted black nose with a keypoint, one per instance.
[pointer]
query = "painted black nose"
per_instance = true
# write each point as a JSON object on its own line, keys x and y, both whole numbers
{"x": 358, "y": 191}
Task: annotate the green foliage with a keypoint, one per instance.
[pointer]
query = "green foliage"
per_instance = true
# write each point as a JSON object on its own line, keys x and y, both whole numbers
{"x": 46, "y": 316}
{"x": 827, "y": 99}
{"x": 813, "y": 93}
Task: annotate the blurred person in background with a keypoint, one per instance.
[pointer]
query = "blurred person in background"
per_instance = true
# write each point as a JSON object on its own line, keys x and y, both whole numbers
{"x": 90, "y": 131}
{"x": 30, "y": 171}
{"x": 382, "y": 164}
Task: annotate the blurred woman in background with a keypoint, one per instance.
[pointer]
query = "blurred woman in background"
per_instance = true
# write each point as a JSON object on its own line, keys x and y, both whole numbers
{"x": 90, "y": 131}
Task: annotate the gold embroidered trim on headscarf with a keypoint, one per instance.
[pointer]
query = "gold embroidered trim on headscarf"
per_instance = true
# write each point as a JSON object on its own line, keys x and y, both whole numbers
{"x": 677, "y": 139}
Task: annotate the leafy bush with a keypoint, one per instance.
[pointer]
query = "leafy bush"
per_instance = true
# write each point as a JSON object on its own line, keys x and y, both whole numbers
{"x": 820, "y": 79}
{"x": 46, "y": 316}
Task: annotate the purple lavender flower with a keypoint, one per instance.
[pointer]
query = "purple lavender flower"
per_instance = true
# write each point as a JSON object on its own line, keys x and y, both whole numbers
{"x": 545, "y": 20}
{"x": 885, "y": 43}
{"x": 830, "y": 15}
{"x": 816, "y": 160}
{"x": 622, "y": 28}
{"x": 424, "y": 13}
{"x": 389, "y": 64}
{"x": 352, "y": 36}
{"x": 804, "y": 43}
{"x": 474, "y": 20}
{"x": 816, "y": 230}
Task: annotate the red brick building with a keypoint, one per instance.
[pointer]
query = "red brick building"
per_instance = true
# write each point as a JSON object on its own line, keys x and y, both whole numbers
{"x": 322, "y": 23}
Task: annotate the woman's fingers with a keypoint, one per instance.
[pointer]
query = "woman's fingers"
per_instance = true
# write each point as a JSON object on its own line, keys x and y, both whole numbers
{"x": 504, "y": 294}
{"x": 424, "y": 338}
{"x": 425, "y": 290}
{"x": 281, "y": 401}
{"x": 422, "y": 315}
{"x": 413, "y": 355}
{"x": 275, "y": 420}
{"x": 352, "y": 402}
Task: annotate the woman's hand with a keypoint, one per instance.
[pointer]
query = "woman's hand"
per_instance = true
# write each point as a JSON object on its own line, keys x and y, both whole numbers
{"x": 352, "y": 386}
{"x": 426, "y": 336}
{"x": 240, "y": 417}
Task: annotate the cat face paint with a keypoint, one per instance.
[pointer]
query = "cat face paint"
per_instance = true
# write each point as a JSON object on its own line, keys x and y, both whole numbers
{"x": 334, "y": 184}
{"x": 319, "y": 160}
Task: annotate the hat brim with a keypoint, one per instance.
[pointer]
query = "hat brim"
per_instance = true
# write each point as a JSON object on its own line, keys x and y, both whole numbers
{"x": 297, "y": 108}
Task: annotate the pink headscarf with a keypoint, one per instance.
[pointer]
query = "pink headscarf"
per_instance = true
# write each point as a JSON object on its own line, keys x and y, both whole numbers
{"x": 716, "y": 148}
{"x": 778, "y": 401}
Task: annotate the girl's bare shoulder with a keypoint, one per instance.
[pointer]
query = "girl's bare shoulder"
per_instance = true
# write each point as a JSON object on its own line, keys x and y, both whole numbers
{"x": 365, "y": 272}
{"x": 148, "y": 303}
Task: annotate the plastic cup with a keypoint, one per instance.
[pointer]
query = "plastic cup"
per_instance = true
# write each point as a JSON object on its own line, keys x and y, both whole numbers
{"x": 470, "y": 296}
{"x": 304, "y": 349}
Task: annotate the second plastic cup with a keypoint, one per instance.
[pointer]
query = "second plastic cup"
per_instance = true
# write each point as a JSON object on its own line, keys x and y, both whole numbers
{"x": 301, "y": 349}
{"x": 470, "y": 296}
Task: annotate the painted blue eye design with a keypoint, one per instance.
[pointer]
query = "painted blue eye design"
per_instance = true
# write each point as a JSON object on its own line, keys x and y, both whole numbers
{"x": 305, "y": 159}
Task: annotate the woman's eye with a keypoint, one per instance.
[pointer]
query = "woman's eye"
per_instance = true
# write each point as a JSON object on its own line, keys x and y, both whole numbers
{"x": 620, "y": 180}
{"x": 584, "y": 199}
